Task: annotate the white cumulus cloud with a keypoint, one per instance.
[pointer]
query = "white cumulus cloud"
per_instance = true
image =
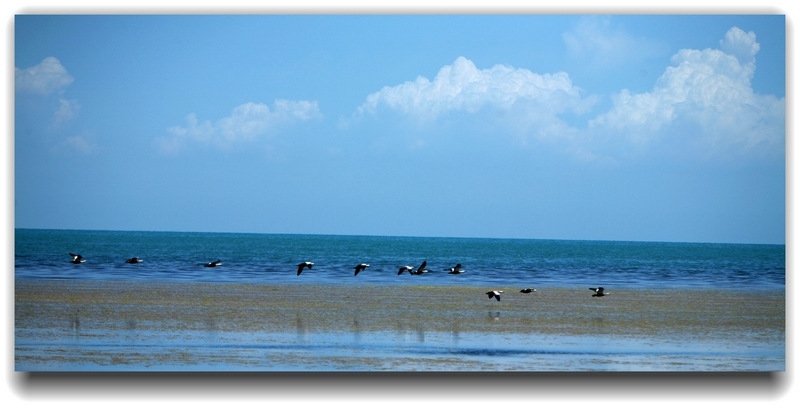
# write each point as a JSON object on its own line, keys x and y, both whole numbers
{"x": 463, "y": 87}
{"x": 44, "y": 78}
{"x": 706, "y": 95}
{"x": 247, "y": 122}
{"x": 741, "y": 45}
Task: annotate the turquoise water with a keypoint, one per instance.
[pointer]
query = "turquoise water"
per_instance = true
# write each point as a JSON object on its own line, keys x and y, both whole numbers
{"x": 49, "y": 336}
{"x": 272, "y": 258}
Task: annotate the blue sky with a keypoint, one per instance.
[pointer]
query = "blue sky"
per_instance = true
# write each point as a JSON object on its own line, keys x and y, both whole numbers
{"x": 611, "y": 127}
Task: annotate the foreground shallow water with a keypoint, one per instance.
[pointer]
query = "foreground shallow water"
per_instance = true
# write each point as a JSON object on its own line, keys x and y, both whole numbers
{"x": 385, "y": 351}
{"x": 72, "y": 325}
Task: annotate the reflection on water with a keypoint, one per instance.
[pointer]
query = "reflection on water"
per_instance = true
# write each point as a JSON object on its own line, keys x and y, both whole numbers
{"x": 356, "y": 330}
{"x": 211, "y": 323}
{"x": 71, "y": 327}
{"x": 455, "y": 332}
{"x": 432, "y": 351}
{"x": 301, "y": 329}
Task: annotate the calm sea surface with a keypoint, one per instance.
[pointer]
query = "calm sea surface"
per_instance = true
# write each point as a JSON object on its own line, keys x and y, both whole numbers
{"x": 104, "y": 323}
{"x": 272, "y": 258}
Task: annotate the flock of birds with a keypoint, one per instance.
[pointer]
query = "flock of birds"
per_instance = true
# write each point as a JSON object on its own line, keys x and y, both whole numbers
{"x": 598, "y": 291}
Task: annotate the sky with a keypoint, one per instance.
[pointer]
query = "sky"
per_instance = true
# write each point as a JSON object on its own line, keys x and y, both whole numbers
{"x": 587, "y": 127}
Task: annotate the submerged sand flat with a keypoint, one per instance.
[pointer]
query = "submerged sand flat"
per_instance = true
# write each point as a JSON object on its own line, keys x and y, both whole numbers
{"x": 112, "y": 326}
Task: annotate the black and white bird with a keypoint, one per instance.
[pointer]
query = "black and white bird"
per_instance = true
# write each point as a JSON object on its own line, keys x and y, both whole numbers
{"x": 134, "y": 260}
{"x": 213, "y": 263}
{"x": 360, "y": 268}
{"x": 402, "y": 269}
{"x": 77, "y": 259}
{"x": 421, "y": 269}
{"x": 494, "y": 294}
{"x": 598, "y": 292}
{"x": 303, "y": 265}
{"x": 528, "y": 290}
{"x": 455, "y": 270}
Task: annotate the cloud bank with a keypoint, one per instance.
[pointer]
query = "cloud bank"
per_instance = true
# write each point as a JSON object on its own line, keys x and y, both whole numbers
{"x": 703, "y": 102}
{"x": 706, "y": 98}
{"x": 44, "y": 78}
{"x": 463, "y": 87}
{"x": 247, "y": 122}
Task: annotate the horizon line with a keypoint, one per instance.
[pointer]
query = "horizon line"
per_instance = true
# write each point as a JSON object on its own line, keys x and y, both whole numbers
{"x": 406, "y": 236}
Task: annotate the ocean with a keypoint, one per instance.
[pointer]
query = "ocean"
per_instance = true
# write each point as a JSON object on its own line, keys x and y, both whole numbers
{"x": 273, "y": 258}
{"x": 671, "y": 306}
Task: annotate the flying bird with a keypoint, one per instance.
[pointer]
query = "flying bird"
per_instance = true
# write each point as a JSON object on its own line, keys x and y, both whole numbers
{"x": 213, "y": 263}
{"x": 360, "y": 267}
{"x": 134, "y": 260}
{"x": 421, "y": 269}
{"x": 494, "y": 294}
{"x": 77, "y": 259}
{"x": 527, "y": 290}
{"x": 303, "y": 265}
{"x": 455, "y": 270}
{"x": 599, "y": 292}
{"x": 404, "y": 268}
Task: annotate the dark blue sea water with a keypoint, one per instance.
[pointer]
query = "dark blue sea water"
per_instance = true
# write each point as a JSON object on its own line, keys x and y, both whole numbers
{"x": 272, "y": 258}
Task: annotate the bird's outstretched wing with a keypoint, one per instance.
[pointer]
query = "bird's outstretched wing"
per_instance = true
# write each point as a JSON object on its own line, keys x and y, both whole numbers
{"x": 360, "y": 268}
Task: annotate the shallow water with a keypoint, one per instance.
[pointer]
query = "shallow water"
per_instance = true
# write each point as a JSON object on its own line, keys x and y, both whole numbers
{"x": 371, "y": 351}
{"x": 69, "y": 325}
{"x": 418, "y": 350}
{"x": 672, "y": 307}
